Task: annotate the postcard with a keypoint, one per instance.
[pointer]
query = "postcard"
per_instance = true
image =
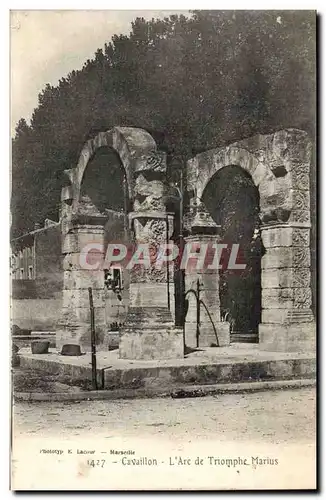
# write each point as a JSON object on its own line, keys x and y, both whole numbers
{"x": 163, "y": 250}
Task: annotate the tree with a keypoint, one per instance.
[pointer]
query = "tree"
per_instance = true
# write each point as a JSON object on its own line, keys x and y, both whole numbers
{"x": 194, "y": 82}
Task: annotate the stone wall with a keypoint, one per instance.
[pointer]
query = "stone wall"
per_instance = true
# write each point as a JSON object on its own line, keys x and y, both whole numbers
{"x": 36, "y": 314}
{"x": 36, "y": 303}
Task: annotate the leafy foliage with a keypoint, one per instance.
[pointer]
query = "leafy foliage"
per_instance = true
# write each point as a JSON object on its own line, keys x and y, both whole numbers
{"x": 193, "y": 82}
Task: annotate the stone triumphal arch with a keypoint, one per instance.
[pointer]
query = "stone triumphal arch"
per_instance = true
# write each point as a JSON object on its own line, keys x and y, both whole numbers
{"x": 276, "y": 167}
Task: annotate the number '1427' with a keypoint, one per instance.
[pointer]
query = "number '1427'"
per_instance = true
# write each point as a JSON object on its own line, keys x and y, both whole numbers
{"x": 95, "y": 463}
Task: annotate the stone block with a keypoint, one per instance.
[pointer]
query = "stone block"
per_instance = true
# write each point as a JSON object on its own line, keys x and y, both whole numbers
{"x": 259, "y": 174}
{"x": 277, "y": 298}
{"x": 148, "y": 294}
{"x": 285, "y": 278}
{"x": 292, "y": 314}
{"x": 299, "y": 337}
{"x": 80, "y": 298}
{"x": 286, "y": 257}
{"x": 89, "y": 260}
{"x": 285, "y": 236}
{"x": 300, "y": 175}
{"x": 300, "y": 216}
{"x": 82, "y": 278}
{"x": 302, "y": 298}
{"x": 80, "y": 315}
{"x": 152, "y": 344}
{"x": 149, "y": 188}
{"x": 79, "y": 238}
{"x": 300, "y": 199}
{"x": 275, "y": 315}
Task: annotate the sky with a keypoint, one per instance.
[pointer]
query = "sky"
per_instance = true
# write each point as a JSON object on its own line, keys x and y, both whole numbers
{"x": 47, "y": 45}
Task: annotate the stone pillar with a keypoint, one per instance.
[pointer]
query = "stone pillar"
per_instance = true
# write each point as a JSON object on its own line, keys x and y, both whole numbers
{"x": 204, "y": 231}
{"x": 149, "y": 331}
{"x": 287, "y": 320}
{"x": 74, "y": 325}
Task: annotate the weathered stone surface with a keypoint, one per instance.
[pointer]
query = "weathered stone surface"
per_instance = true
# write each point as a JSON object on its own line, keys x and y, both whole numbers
{"x": 83, "y": 315}
{"x": 138, "y": 153}
{"x": 285, "y": 278}
{"x": 82, "y": 278}
{"x": 300, "y": 176}
{"x": 286, "y": 315}
{"x": 207, "y": 337}
{"x": 154, "y": 161}
{"x": 285, "y": 236}
{"x": 277, "y": 298}
{"x": 300, "y": 216}
{"x": 259, "y": 175}
{"x": 148, "y": 294}
{"x": 80, "y": 298}
{"x": 288, "y": 147}
{"x": 79, "y": 238}
{"x": 300, "y": 338}
{"x": 286, "y": 298}
{"x": 144, "y": 187}
{"x": 158, "y": 343}
{"x": 274, "y": 315}
{"x": 284, "y": 257}
{"x": 302, "y": 298}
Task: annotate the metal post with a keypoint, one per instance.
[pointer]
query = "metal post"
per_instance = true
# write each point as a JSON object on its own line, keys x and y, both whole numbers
{"x": 181, "y": 244}
{"x": 181, "y": 273}
{"x": 167, "y": 264}
{"x": 125, "y": 206}
{"x": 198, "y": 313}
{"x": 93, "y": 340}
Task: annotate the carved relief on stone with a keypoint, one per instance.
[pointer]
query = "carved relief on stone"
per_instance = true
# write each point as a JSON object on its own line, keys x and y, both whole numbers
{"x": 301, "y": 257}
{"x": 302, "y": 298}
{"x": 149, "y": 230}
{"x": 152, "y": 232}
{"x": 154, "y": 161}
{"x": 300, "y": 216}
{"x": 300, "y": 237}
{"x": 144, "y": 187}
{"x": 301, "y": 200}
{"x": 149, "y": 203}
{"x": 300, "y": 176}
{"x": 300, "y": 278}
{"x": 285, "y": 236}
{"x": 201, "y": 217}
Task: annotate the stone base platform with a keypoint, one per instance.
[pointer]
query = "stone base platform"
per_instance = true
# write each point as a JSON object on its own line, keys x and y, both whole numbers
{"x": 149, "y": 333}
{"x": 296, "y": 337}
{"x": 151, "y": 344}
{"x": 236, "y": 363}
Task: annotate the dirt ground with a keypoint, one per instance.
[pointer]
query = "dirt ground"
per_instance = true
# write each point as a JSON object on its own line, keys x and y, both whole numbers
{"x": 281, "y": 416}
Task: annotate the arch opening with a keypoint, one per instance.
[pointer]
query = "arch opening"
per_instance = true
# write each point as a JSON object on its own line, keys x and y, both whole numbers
{"x": 102, "y": 183}
{"x": 232, "y": 200}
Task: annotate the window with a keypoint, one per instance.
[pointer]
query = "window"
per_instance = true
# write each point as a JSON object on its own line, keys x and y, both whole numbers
{"x": 30, "y": 272}
{"x": 21, "y": 273}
